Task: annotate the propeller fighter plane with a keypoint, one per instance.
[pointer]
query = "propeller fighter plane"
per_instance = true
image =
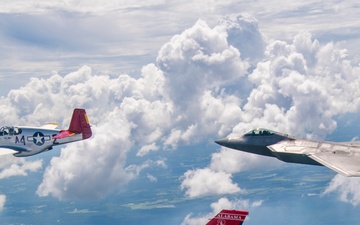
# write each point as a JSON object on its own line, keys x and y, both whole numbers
{"x": 22, "y": 141}
{"x": 342, "y": 157}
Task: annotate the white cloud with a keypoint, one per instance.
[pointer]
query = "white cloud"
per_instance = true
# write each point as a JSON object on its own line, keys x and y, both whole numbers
{"x": 293, "y": 92}
{"x": 346, "y": 187}
{"x": 215, "y": 179}
{"x": 203, "y": 182}
{"x": 231, "y": 161}
{"x": 41, "y": 36}
{"x": 146, "y": 149}
{"x": 195, "y": 64}
{"x": 152, "y": 178}
{"x": 297, "y": 81}
{"x": 245, "y": 27}
{"x": 70, "y": 5}
{"x": 206, "y": 83}
{"x": 92, "y": 168}
{"x": 218, "y": 110}
{"x": 96, "y": 167}
{"x": 198, "y": 59}
{"x": 123, "y": 111}
{"x": 12, "y": 166}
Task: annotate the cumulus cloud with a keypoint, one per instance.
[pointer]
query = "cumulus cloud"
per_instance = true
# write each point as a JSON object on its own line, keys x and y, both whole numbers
{"x": 244, "y": 34}
{"x": 206, "y": 83}
{"x": 122, "y": 110}
{"x": 94, "y": 168}
{"x": 11, "y": 166}
{"x": 203, "y": 182}
{"x": 222, "y": 203}
{"x": 346, "y": 187}
{"x": 216, "y": 179}
{"x": 41, "y": 36}
{"x": 294, "y": 88}
{"x": 198, "y": 59}
{"x": 299, "y": 87}
{"x": 91, "y": 168}
{"x": 231, "y": 161}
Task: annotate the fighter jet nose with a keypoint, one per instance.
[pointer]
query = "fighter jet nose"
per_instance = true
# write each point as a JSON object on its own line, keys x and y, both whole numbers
{"x": 222, "y": 141}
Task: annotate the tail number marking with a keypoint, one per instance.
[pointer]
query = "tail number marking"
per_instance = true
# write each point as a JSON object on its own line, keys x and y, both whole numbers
{"x": 20, "y": 141}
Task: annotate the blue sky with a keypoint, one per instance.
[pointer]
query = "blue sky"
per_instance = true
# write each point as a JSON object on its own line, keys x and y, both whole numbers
{"x": 159, "y": 76}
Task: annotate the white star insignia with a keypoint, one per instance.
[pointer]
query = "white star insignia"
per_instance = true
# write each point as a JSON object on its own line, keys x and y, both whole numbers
{"x": 38, "y": 139}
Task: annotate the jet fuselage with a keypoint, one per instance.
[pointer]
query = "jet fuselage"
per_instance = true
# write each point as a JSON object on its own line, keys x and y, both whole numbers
{"x": 259, "y": 141}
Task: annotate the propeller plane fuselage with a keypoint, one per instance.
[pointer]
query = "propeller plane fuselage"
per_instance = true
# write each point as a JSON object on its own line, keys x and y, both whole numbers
{"x": 26, "y": 141}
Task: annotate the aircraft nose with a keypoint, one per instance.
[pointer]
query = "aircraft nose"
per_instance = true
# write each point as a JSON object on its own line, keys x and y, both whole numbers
{"x": 222, "y": 141}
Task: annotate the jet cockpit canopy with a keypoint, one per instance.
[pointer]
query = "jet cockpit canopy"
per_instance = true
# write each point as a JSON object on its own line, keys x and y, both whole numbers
{"x": 267, "y": 132}
{"x": 260, "y": 132}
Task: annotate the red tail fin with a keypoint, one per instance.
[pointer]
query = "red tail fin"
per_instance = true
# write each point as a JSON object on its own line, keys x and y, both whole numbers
{"x": 229, "y": 217}
{"x": 79, "y": 124}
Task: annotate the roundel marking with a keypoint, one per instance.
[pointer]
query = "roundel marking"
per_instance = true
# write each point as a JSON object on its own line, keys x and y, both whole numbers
{"x": 38, "y": 138}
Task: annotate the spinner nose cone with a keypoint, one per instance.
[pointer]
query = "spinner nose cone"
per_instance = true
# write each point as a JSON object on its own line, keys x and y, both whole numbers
{"x": 223, "y": 141}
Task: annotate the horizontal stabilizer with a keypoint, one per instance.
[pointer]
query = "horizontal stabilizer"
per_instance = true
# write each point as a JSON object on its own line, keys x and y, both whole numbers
{"x": 63, "y": 134}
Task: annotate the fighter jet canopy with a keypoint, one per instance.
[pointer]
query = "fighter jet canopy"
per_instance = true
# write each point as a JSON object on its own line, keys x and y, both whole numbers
{"x": 260, "y": 132}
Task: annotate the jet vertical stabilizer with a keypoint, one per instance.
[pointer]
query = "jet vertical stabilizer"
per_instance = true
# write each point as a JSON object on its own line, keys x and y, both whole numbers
{"x": 229, "y": 217}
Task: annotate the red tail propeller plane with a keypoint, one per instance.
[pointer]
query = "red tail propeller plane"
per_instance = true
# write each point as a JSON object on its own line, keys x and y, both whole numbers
{"x": 24, "y": 141}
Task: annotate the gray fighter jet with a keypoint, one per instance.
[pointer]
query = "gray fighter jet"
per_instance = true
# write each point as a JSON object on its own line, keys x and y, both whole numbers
{"x": 342, "y": 157}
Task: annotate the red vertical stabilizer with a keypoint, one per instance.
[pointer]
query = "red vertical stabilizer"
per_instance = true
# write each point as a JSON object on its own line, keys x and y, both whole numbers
{"x": 79, "y": 124}
{"x": 229, "y": 217}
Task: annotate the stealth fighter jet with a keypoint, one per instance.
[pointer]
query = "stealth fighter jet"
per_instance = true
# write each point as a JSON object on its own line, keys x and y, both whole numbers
{"x": 342, "y": 157}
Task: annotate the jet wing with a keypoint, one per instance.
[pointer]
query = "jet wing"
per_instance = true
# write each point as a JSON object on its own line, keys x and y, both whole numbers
{"x": 345, "y": 163}
{"x": 342, "y": 158}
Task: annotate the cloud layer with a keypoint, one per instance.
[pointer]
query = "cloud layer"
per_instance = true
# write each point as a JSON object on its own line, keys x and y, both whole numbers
{"x": 42, "y": 36}
{"x": 207, "y": 82}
